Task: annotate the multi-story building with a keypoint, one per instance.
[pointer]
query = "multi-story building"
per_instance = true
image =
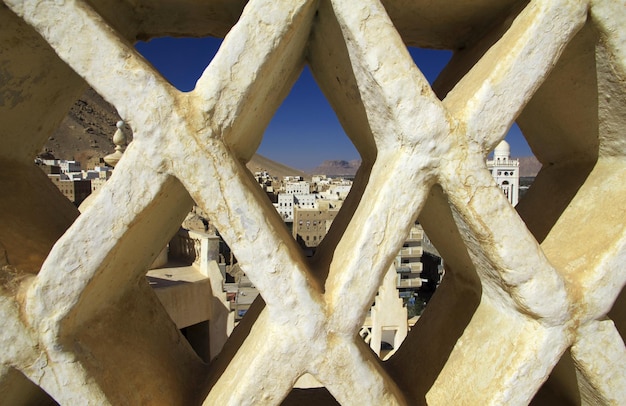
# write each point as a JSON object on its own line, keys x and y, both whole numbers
{"x": 408, "y": 262}
{"x": 505, "y": 171}
{"x": 306, "y": 201}
{"x": 97, "y": 172}
{"x": 285, "y": 206}
{"x": 298, "y": 188}
{"x": 297, "y": 194}
{"x": 98, "y": 182}
{"x": 311, "y": 225}
{"x": 266, "y": 181}
{"x": 75, "y": 190}
{"x": 419, "y": 265}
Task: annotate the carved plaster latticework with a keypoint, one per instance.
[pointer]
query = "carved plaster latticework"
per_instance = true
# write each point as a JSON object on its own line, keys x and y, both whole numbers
{"x": 526, "y": 310}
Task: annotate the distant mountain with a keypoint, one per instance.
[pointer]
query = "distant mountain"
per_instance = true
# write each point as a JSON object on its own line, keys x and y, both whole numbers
{"x": 529, "y": 166}
{"x": 337, "y": 168}
{"x": 260, "y": 163}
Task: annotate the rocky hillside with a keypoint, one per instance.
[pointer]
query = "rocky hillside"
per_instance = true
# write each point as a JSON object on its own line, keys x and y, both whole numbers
{"x": 86, "y": 132}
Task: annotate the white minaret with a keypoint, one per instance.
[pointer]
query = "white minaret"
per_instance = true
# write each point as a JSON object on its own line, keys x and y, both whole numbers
{"x": 505, "y": 171}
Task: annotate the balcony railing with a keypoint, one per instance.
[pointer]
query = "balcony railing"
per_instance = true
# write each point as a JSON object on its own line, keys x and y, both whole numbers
{"x": 412, "y": 252}
{"x": 409, "y": 283}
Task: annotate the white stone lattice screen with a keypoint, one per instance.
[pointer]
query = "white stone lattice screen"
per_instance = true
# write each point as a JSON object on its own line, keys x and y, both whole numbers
{"x": 526, "y": 296}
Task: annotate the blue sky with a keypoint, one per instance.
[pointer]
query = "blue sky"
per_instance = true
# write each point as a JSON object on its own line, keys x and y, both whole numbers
{"x": 293, "y": 127}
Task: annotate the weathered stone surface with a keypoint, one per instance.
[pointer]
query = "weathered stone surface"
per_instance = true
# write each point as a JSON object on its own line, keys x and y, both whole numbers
{"x": 523, "y": 290}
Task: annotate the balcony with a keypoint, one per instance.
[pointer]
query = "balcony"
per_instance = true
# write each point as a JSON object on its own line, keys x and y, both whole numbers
{"x": 414, "y": 237}
{"x": 411, "y": 267}
{"x": 409, "y": 283}
{"x": 412, "y": 251}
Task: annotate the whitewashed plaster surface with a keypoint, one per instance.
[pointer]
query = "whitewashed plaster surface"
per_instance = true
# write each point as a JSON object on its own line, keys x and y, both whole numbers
{"x": 527, "y": 308}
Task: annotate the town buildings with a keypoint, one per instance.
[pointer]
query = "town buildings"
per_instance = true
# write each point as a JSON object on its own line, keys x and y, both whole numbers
{"x": 76, "y": 190}
{"x": 75, "y": 183}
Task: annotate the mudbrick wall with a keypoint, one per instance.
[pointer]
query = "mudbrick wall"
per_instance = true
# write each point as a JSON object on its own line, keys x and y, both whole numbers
{"x": 529, "y": 309}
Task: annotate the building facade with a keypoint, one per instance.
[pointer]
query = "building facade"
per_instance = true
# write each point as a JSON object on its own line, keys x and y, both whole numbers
{"x": 505, "y": 171}
{"x": 76, "y": 190}
{"x": 311, "y": 225}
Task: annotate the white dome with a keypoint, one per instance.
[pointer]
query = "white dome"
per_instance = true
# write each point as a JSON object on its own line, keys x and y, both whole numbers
{"x": 503, "y": 149}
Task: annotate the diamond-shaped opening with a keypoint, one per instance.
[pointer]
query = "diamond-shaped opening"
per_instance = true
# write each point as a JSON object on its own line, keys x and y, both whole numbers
{"x": 291, "y": 120}
{"x": 73, "y": 156}
{"x": 239, "y": 292}
{"x": 513, "y": 176}
{"x": 414, "y": 277}
{"x": 306, "y": 134}
{"x": 172, "y": 269}
{"x": 294, "y": 132}
{"x": 418, "y": 266}
{"x": 561, "y": 124}
{"x": 458, "y": 294}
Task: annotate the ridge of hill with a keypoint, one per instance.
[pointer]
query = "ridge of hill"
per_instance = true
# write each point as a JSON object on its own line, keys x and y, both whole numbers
{"x": 260, "y": 163}
{"x": 86, "y": 135}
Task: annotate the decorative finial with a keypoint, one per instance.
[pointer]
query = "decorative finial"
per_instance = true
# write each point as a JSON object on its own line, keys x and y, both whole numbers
{"x": 119, "y": 139}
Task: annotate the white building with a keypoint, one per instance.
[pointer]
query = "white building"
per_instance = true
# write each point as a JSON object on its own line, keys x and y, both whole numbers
{"x": 285, "y": 206}
{"x": 298, "y": 188}
{"x": 287, "y": 202}
{"x": 505, "y": 171}
{"x": 65, "y": 165}
{"x": 306, "y": 201}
